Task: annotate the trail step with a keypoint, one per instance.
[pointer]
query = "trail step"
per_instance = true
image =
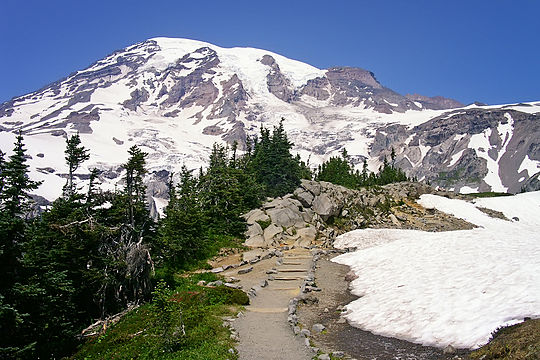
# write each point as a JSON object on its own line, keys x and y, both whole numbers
{"x": 267, "y": 310}
{"x": 288, "y": 278}
{"x": 284, "y": 288}
{"x": 291, "y": 263}
{"x": 292, "y": 270}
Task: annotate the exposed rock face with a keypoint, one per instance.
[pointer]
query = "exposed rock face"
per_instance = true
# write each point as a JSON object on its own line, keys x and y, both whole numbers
{"x": 289, "y": 221}
{"x": 278, "y": 84}
{"x": 533, "y": 184}
{"x": 481, "y": 149}
{"x": 434, "y": 103}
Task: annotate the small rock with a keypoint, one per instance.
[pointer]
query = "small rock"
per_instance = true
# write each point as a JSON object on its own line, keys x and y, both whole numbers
{"x": 351, "y": 276}
{"x": 215, "y": 283}
{"x": 245, "y": 271}
{"x": 341, "y": 321}
{"x": 292, "y": 319}
{"x": 263, "y": 283}
{"x": 305, "y": 332}
{"x": 394, "y": 220}
{"x": 271, "y": 271}
{"x": 217, "y": 270}
{"x": 323, "y": 357}
{"x": 449, "y": 350}
{"x": 338, "y": 354}
{"x": 201, "y": 283}
{"x": 318, "y": 328}
{"x": 314, "y": 349}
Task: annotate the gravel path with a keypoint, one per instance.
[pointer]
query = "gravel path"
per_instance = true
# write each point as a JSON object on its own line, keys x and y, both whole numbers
{"x": 263, "y": 329}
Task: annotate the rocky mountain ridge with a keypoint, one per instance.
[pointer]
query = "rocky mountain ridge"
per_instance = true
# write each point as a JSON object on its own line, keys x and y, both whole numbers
{"x": 174, "y": 98}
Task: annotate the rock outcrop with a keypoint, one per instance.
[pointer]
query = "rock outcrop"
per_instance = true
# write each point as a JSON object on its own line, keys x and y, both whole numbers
{"x": 319, "y": 211}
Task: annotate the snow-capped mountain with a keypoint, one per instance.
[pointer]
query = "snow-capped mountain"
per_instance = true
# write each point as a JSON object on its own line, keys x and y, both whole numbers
{"x": 176, "y": 97}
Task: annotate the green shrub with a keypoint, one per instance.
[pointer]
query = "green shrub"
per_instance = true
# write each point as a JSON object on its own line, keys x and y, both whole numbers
{"x": 264, "y": 223}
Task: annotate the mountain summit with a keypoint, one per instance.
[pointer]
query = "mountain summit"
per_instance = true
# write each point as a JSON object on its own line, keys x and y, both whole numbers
{"x": 176, "y": 97}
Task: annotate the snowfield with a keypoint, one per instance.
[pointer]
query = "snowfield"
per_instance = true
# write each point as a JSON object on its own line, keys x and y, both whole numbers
{"x": 448, "y": 288}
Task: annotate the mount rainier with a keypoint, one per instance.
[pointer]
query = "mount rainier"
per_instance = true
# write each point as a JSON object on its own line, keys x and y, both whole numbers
{"x": 175, "y": 97}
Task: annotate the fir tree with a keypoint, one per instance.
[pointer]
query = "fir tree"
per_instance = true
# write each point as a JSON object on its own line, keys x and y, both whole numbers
{"x": 17, "y": 185}
{"x": 273, "y": 164}
{"x": 2, "y": 170}
{"x": 75, "y": 156}
{"x": 135, "y": 189}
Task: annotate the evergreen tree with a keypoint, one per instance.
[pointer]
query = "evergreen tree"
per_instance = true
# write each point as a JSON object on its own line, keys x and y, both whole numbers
{"x": 2, "y": 170}
{"x": 14, "y": 204}
{"x": 75, "y": 155}
{"x": 338, "y": 170}
{"x": 272, "y": 163}
{"x": 181, "y": 237}
{"x": 16, "y": 183}
{"x": 135, "y": 190}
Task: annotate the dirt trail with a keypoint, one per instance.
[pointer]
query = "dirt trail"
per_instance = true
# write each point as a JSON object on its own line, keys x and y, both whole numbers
{"x": 263, "y": 329}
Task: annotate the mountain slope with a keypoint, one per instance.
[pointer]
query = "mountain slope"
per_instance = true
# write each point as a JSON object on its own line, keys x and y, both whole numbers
{"x": 176, "y": 97}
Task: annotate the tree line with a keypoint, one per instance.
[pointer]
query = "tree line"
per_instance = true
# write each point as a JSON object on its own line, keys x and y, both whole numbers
{"x": 339, "y": 170}
{"x": 93, "y": 252}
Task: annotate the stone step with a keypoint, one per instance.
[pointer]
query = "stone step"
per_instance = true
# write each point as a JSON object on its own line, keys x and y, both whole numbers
{"x": 284, "y": 288}
{"x": 291, "y": 263}
{"x": 288, "y": 278}
{"x": 292, "y": 270}
{"x": 267, "y": 310}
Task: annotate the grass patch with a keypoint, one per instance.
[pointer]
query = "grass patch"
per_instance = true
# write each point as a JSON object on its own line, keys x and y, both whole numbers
{"x": 488, "y": 194}
{"x": 521, "y": 341}
{"x": 184, "y": 322}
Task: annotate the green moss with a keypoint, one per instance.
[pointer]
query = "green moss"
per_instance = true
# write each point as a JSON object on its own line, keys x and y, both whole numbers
{"x": 521, "y": 341}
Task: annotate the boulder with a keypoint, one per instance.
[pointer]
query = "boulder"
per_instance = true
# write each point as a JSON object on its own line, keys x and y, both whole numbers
{"x": 312, "y": 186}
{"x": 255, "y": 241}
{"x": 305, "y": 197}
{"x": 270, "y": 233}
{"x": 325, "y": 206}
{"x": 285, "y": 216}
{"x": 252, "y": 254}
{"x": 306, "y": 236}
{"x": 253, "y": 230}
{"x": 272, "y": 204}
{"x": 307, "y": 215}
{"x": 256, "y": 215}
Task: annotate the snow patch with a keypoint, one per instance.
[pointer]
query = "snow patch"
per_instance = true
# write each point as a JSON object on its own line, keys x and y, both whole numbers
{"x": 532, "y": 166}
{"x": 448, "y": 288}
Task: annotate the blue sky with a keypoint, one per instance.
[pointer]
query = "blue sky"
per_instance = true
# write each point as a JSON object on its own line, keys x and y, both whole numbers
{"x": 485, "y": 50}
